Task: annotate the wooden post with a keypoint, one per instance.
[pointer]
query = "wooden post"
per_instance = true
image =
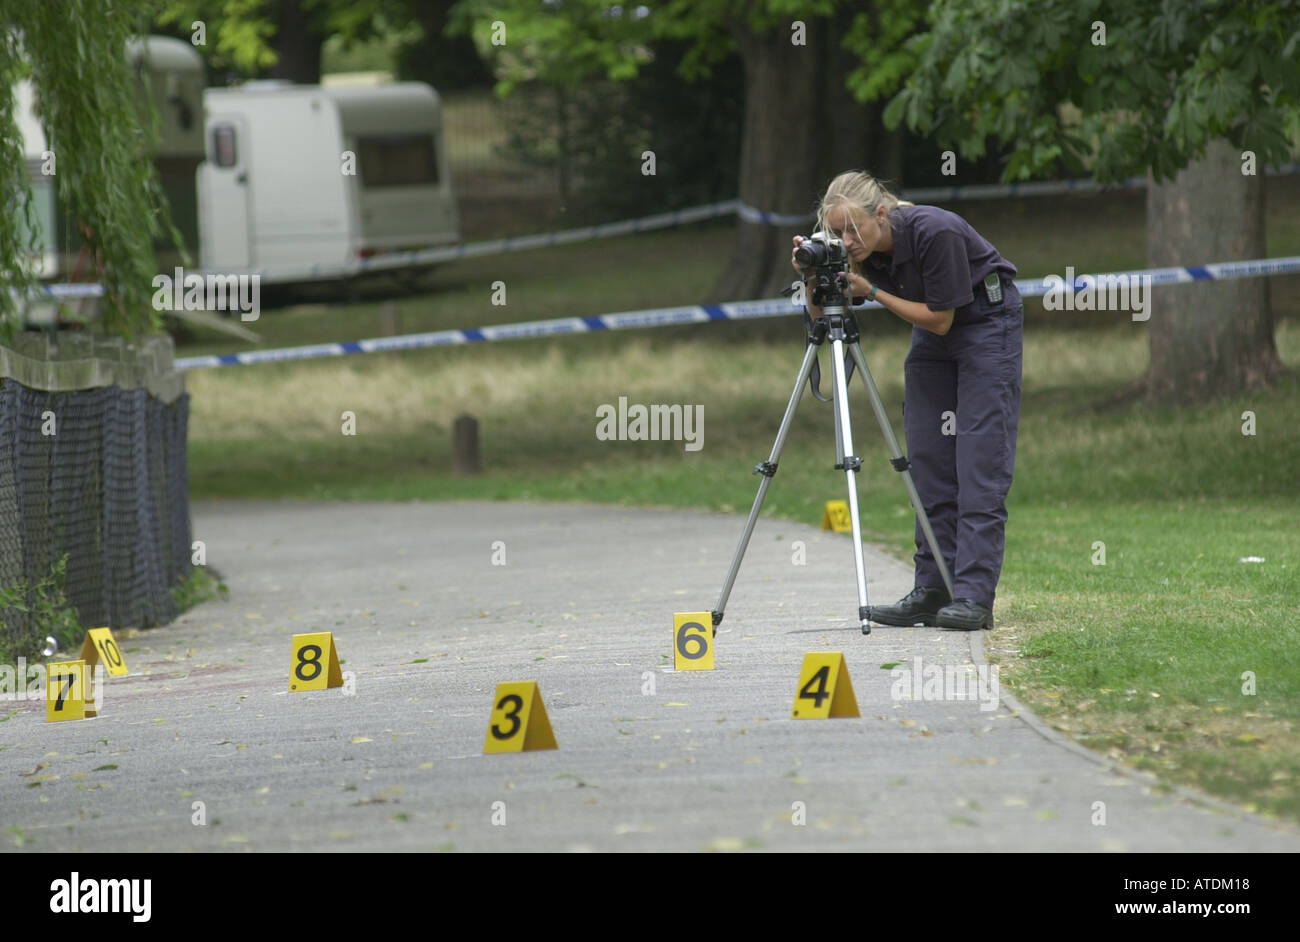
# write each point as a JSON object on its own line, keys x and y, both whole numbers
{"x": 465, "y": 445}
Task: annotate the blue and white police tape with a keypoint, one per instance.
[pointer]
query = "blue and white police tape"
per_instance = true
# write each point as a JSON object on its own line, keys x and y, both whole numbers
{"x": 754, "y": 214}
{"x": 393, "y": 261}
{"x": 703, "y": 313}
{"x": 990, "y": 191}
{"x": 290, "y": 274}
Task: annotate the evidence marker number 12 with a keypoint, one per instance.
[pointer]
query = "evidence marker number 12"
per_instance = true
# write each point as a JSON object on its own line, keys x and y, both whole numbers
{"x": 692, "y": 642}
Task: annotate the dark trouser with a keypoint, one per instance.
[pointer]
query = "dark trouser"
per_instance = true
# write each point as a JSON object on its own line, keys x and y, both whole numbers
{"x": 961, "y": 409}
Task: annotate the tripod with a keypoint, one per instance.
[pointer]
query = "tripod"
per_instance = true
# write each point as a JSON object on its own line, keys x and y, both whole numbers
{"x": 840, "y": 326}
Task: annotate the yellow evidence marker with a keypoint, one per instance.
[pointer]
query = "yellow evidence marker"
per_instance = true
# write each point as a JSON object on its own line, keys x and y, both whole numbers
{"x": 836, "y": 517}
{"x": 65, "y": 692}
{"x": 692, "y": 650}
{"x": 315, "y": 662}
{"x": 824, "y": 688}
{"x": 519, "y": 721}
{"x": 99, "y": 643}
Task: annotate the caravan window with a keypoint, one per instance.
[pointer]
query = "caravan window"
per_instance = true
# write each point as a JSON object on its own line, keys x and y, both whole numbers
{"x": 223, "y": 145}
{"x": 397, "y": 159}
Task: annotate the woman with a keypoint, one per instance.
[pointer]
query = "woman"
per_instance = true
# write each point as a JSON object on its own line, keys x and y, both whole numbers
{"x": 961, "y": 396}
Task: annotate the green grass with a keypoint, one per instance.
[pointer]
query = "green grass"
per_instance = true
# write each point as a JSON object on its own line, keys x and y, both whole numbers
{"x": 199, "y": 586}
{"x": 1178, "y": 497}
{"x": 45, "y": 607}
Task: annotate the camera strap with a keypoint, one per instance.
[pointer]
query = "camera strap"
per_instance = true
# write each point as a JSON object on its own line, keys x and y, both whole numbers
{"x": 815, "y": 374}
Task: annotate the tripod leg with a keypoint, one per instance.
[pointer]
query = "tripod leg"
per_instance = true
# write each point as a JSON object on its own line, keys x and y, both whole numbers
{"x": 851, "y": 463}
{"x": 767, "y": 469}
{"x": 839, "y": 428}
{"x": 900, "y": 463}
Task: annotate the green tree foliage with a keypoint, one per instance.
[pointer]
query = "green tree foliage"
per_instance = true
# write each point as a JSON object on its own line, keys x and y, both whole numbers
{"x": 242, "y": 36}
{"x": 603, "y": 84}
{"x": 878, "y": 37}
{"x": 17, "y": 234}
{"x": 693, "y": 131}
{"x": 74, "y": 52}
{"x": 1168, "y": 78}
{"x": 557, "y": 44}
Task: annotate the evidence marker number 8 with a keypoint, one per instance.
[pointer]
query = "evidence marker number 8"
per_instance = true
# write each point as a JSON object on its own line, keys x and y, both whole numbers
{"x": 315, "y": 664}
{"x": 692, "y": 642}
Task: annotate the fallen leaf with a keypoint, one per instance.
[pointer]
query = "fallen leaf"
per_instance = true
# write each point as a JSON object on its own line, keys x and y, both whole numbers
{"x": 725, "y": 843}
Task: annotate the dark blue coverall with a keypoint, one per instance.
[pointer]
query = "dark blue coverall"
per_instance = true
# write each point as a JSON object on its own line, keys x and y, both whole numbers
{"x": 961, "y": 398}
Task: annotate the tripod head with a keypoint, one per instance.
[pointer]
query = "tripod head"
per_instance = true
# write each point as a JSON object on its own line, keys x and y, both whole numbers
{"x": 828, "y": 290}
{"x": 833, "y": 324}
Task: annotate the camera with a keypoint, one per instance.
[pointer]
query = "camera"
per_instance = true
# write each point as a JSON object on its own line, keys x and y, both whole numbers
{"x": 827, "y": 261}
{"x": 819, "y": 251}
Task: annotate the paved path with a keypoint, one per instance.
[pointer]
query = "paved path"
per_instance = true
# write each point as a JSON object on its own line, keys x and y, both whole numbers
{"x": 583, "y": 605}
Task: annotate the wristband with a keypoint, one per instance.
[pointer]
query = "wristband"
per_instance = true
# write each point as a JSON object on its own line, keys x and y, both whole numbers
{"x": 871, "y": 295}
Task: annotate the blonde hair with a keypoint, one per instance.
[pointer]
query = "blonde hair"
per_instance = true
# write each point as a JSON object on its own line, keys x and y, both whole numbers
{"x": 856, "y": 189}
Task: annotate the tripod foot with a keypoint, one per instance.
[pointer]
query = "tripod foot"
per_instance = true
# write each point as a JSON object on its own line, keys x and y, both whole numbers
{"x": 864, "y": 615}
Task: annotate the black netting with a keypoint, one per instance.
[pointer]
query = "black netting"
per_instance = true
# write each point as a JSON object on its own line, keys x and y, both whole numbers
{"x": 98, "y": 475}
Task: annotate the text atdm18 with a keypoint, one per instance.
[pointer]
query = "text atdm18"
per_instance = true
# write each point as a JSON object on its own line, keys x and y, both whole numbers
{"x": 656, "y": 423}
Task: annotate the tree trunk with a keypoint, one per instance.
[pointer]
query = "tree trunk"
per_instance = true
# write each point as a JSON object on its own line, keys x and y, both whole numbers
{"x": 884, "y": 159}
{"x": 779, "y": 163}
{"x": 297, "y": 45}
{"x": 847, "y": 125}
{"x": 1210, "y": 338}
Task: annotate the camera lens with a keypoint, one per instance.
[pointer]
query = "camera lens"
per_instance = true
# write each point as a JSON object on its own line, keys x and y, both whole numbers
{"x": 810, "y": 254}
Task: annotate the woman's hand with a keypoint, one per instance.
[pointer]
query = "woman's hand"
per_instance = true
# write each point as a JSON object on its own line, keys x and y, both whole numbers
{"x": 798, "y": 240}
{"x": 855, "y": 286}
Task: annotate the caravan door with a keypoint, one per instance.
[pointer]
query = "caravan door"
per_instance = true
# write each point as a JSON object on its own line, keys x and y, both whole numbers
{"x": 225, "y": 196}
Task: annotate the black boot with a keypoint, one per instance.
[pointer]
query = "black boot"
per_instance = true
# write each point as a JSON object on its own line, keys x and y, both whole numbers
{"x": 965, "y": 614}
{"x": 921, "y": 607}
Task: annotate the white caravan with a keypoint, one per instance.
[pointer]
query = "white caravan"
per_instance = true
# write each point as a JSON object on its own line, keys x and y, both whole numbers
{"x": 302, "y": 181}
